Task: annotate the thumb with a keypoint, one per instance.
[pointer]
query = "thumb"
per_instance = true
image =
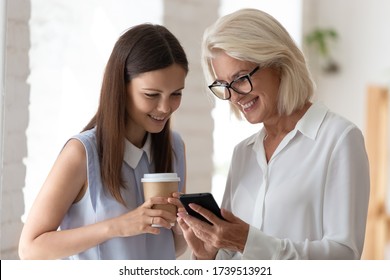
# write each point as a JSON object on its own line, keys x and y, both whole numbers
{"x": 227, "y": 215}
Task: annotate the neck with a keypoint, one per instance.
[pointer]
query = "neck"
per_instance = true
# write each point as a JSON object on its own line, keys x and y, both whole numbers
{"x": 282, "y": 125}
{"x": 137, "y": 138}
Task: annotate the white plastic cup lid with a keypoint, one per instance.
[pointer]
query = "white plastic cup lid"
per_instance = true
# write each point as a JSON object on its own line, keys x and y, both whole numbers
{"x": 160, "y": 177}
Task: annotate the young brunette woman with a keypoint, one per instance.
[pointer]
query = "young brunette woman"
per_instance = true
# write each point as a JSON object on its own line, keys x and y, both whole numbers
{"x": 91, "y": 205}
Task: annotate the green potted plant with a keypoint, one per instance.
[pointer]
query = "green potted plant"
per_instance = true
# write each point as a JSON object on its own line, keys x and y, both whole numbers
{"x": 320, "y": 39}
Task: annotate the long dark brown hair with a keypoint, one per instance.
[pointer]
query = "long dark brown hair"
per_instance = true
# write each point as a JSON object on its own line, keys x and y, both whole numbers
{"x": 140, "y": 49}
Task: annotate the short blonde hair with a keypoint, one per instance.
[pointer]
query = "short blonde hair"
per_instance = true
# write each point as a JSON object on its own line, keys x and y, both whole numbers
{"x": 255, "y": 36}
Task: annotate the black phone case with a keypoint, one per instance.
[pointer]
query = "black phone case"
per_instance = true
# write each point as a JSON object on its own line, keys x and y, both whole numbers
{"x": 206, "y": 200}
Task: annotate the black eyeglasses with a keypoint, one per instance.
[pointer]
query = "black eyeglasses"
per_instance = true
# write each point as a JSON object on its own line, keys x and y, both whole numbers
{"x": 242, "y": 85}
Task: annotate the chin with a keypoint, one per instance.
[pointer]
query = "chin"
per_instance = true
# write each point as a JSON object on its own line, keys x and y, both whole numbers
{"x": 155, "y": 129}
{"x": 253, "y": 120}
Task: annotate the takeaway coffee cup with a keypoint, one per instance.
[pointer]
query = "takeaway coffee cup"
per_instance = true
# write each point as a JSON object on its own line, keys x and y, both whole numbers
{"x": 161, "y": 185}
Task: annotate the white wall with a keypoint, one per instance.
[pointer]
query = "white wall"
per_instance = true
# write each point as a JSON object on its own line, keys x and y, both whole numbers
{"x": 3, "y": 23}
{"x": 362, "y": 52}
{"x": 14, "y": 122}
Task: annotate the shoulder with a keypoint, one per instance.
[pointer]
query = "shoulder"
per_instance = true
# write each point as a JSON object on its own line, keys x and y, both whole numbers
{"x": 176, "y": 136}
{"x": 177, "y": 140}
{"x": 338, "y": 125}
{"x": 86, "y": 136}
{"x": 74, "y": 150}
{"x": 338, "y": 133}
{"x": 247, "y": 142}
{"x": 80, "y": 146}
{"x": 245, "y": 148}
{"x": 87, "y": 139}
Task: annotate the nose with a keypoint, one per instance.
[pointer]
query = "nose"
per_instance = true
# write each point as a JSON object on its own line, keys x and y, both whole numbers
{"x": 164, "y": 106}
{"x": 234, "y": 96}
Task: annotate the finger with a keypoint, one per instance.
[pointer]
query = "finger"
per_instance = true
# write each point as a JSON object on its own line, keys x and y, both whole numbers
{"x": 187, "y": 231}
{"x": 176, "y": 229}
{"x": 176, "y": 194}
{"x": 175, "y": 202}
{"x": 159, "y": 200}
{"x": 192, "y": 233}
{"x": 165, "y": 214}
{"x": 184, "y": 219}
{"x": 160, "y": 222}
{"x": 182, "y": 224}
{"x": 152, "y": 230}
{"x": 205, "y": 213}
{"x": 193, "y": 222}
{"x": 155, "y": 200}
{"x": 162, "y": 217}
{"x": 227, "y": 215}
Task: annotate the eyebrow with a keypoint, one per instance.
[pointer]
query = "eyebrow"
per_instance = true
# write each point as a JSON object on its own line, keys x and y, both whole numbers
{"x": 237, "y": 74}
{"x": 240, "y": 73}
{"x": 159, "y": 90}
{"x": 152, "y": 89}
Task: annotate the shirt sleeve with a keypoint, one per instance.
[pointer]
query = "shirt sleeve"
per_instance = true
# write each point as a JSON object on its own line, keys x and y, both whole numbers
{"x": 346, "y": 196}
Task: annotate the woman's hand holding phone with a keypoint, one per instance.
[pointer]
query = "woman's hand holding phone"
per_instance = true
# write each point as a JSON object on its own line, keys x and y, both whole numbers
{"x": 205, "y": 239}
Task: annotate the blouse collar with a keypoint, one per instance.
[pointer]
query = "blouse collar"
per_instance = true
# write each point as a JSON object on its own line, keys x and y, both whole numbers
{"x": 133, "y": 154}
{"x": 308, "y": 125}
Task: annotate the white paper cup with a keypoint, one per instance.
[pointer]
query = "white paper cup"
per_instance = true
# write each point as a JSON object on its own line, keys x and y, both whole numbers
{"x": 161, "y": 185}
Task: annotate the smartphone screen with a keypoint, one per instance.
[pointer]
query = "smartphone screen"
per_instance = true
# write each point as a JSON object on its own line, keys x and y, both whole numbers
{"x": 206, "y": 200}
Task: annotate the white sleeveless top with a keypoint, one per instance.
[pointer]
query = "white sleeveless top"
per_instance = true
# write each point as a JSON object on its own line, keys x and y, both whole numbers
{"x": 98, "y": 205}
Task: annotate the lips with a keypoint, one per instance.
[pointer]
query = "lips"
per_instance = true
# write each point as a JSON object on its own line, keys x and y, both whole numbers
{"x": 249, "y": 105}
{"x": 157, "y": 118}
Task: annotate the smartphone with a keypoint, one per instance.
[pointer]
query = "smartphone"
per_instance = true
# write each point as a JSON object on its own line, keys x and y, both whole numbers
{"x": 206, "y": 200}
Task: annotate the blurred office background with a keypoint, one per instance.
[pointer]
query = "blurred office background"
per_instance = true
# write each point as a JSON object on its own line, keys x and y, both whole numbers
{"x": 52, "y": 58}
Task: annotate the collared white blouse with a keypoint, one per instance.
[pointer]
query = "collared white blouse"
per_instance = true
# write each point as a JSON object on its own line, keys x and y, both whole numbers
{"x": 310, "y": 200}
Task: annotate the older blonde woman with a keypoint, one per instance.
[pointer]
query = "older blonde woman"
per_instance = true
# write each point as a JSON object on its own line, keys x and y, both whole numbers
{"x": 297, "y": 189}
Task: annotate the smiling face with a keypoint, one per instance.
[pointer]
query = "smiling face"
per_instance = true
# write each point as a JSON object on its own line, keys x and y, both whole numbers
{"x": 152, "y": 98}
{"x": 261, "y": 103}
